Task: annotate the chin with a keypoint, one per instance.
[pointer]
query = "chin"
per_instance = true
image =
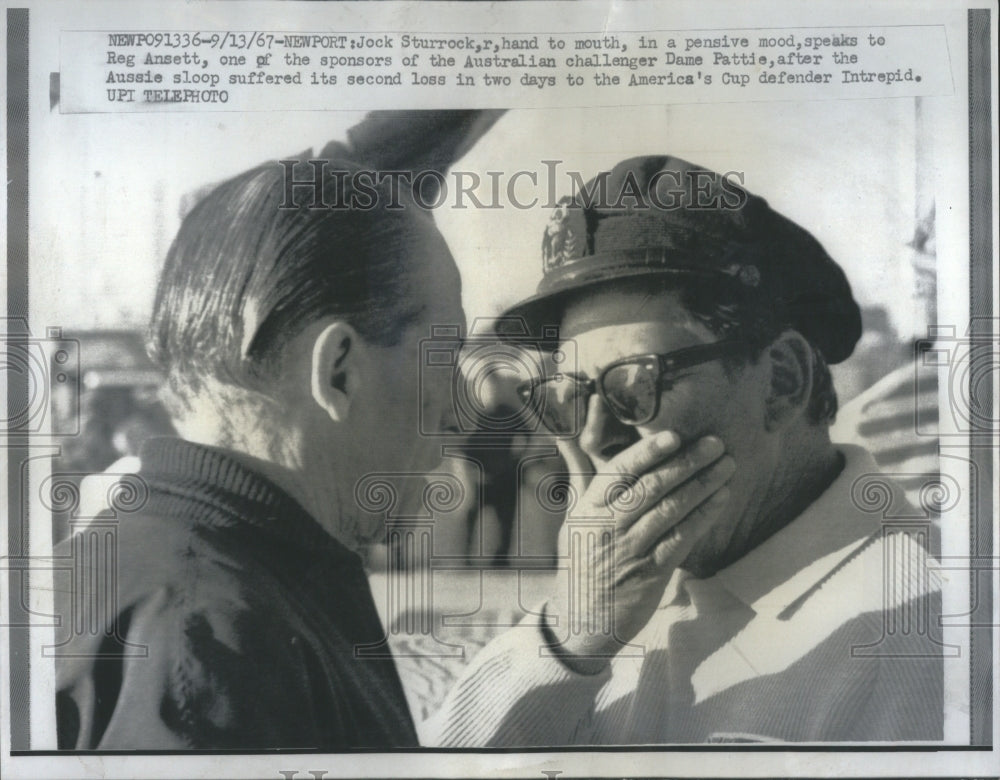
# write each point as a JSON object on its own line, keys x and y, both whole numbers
{"x": 701, "y": 564}
{"x": 360, "y": 531}
{"x": 375, "y": 557}
{"x": 371, "y": 527}
{"x": 708, "y": 556}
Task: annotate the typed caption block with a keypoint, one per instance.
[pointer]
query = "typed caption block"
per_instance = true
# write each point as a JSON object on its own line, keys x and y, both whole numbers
{"x": 122, "y": 71}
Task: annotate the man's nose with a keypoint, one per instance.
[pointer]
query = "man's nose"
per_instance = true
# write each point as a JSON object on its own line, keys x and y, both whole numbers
{"x": 603, "y": 436}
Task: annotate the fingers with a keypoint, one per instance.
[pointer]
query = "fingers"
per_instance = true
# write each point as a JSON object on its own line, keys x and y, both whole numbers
{"x": 681, "y": 502}
{"x": 653, "y": 485}
{"x": 644, "y": 454}
{"x": 630, "y": 465}
{"x": 667, "y": 483}
{"x": 678, "y": 542}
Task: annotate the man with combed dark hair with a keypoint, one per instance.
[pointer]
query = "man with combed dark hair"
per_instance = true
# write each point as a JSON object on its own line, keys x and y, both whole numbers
{"x": 289, "y": 337}
{"x": 730, "y": 578}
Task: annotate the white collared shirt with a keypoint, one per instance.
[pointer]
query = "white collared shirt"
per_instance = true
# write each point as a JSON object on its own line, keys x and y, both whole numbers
{"x": 821, "y": 633}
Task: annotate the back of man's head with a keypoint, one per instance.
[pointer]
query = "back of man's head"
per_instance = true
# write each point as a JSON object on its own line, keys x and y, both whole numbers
{"x": 245, "y": 274}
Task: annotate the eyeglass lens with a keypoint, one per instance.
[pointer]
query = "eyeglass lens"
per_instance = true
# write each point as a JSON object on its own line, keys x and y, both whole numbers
{"x": 562, "y": 403}
{"x": 630, "y": 390}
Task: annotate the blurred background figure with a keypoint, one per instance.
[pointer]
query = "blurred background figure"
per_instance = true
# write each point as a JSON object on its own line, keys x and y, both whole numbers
{"x": 118, "y": 410}
{"x": 503, "y": 457}
{"x": 895, "y": 391}
{"x": 892, "y": 404}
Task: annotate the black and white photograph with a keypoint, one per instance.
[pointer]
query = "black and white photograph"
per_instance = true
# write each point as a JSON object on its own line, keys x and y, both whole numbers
{"x": 527, "y": 389}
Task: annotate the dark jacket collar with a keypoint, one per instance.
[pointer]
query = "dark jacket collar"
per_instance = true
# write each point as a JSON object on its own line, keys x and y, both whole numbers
{"x": 209, "y": 485}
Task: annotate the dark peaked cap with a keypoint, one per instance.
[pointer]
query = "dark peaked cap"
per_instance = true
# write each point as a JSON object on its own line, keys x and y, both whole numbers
{"x": 653, "y": 216}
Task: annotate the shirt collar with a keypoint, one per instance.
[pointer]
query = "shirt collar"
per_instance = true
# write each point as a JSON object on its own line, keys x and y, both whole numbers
{"x": 796, "y": 558}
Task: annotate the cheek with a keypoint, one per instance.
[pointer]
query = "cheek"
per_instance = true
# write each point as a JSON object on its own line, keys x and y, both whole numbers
{"x": 412, "y": 404}
{"x": 388, "y": 413}
{"x": 693, "y": 410}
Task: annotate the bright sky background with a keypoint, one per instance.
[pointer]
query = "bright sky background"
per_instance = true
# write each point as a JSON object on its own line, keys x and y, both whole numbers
{"x": 110, "y": 188}
{"x": 106, "y": 188}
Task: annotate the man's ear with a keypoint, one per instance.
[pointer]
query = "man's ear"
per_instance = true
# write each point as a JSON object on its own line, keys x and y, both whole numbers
{"x": 791, "y": 380}
{"x": 334, "y": 375}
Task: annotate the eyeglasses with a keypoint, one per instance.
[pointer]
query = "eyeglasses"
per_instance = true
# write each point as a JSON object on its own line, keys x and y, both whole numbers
{"x": 630, "y": 387}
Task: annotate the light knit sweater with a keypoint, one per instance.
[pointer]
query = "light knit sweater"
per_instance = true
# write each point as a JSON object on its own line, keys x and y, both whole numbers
{"x": 825, "y": 632}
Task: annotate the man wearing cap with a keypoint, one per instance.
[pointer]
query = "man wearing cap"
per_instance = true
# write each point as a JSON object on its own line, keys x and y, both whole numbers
{"x": 731, "y": 577}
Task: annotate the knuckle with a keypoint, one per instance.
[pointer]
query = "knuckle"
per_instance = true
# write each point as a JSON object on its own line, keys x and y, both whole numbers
{"x": 638, "y": 457}
{"x": 699, "y": 457}
{"x": 625, "y": 547}
{"x": 686, "y": 466}
{"x": 709, "y": 509}
{"x": 665, "y": 550}
{"x": 624, "y": 552}
{"x": 666, "y": 510}
{"x": 692, "y": 460}
{"x": 656, "y": 483}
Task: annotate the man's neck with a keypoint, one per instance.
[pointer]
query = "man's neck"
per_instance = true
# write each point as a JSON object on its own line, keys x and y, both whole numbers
{"x": 282, "y": 458}
{"x": 318, "y": 496}
{"x": 805, "y": 485}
